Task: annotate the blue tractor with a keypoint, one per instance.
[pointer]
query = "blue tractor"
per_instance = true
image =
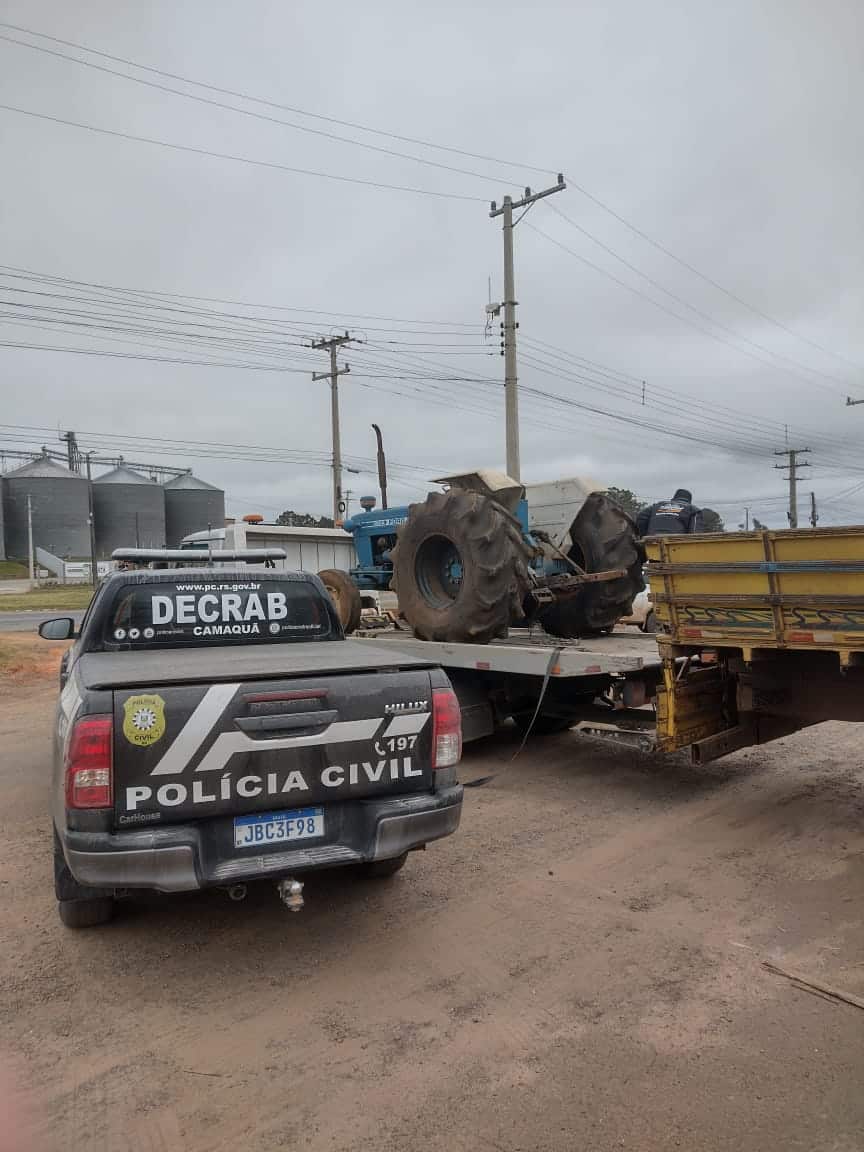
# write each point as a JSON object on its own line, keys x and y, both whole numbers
{"x": 468, "y": 562}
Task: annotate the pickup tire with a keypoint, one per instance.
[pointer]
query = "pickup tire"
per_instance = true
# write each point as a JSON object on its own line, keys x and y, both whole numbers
{"x": 345, "y": 596}
{"x": 603, "y": 537}
{"x": 77, "y": 906}
{"x": 86, "y": 913}
{"x": 460, "y": 568}
{"x": 380, "y": 869}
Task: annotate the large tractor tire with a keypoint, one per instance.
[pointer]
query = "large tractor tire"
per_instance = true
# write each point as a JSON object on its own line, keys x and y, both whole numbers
{"x": 345, "y": 596}
{"x": 603, "y": 537}
{"x": 460, "y": 567}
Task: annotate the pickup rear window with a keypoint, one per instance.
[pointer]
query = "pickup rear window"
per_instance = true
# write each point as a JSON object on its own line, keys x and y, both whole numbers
{"x": 174, "y": 613}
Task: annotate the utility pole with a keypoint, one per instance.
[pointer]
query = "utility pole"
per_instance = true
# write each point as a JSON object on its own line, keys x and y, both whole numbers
{"x": 793, "y": 466}
{"x": 814, "y": 518}
{"x": 332, "y": 344}
{"x": 382, "y": 466}
{"x": 509, "y": 326}
{"x": 30, "y": 566}
{"x": 91, "y": 520}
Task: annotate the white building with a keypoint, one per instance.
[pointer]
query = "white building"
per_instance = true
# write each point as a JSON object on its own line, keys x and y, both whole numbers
{"x": 307, "y": 549}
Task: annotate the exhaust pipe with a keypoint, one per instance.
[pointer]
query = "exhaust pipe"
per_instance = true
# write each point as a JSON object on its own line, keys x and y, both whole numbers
{"x": 236, "y": 892}
{"x": 291, "y": 893}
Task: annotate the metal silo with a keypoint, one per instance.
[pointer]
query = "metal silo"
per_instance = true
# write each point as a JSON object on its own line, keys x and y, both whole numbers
{"x": 191, "y": 505}
{"x": 59, "y": 500}
{"x": 129, "y": 511}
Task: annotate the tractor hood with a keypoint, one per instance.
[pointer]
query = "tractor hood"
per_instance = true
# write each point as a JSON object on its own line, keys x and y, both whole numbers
{"x": 501, "y": 487}
{"x": 553, "y": 506}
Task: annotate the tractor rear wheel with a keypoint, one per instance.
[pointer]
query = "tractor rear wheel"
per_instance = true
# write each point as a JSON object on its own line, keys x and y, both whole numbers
{"x": 345, "y": 596}
{"x": 603, "y": 537}
{"x": 460, "y": 567}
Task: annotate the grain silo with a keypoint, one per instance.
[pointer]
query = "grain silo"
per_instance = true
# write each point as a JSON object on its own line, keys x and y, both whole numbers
{"x": 191, "y": 505}
{"x": 129, "y": 511}
{"x": 60, "y": 506}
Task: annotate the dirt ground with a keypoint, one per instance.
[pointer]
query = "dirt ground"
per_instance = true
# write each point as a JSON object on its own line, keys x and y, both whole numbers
{"x": 580, "y": 967}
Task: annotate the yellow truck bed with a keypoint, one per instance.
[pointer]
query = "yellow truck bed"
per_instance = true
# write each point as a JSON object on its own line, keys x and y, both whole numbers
{"x": 793, "y": 589}
{"x": 762, "y": 633}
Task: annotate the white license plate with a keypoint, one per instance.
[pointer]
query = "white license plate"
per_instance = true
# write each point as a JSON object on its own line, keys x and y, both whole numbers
{"x": 263, "y": 828}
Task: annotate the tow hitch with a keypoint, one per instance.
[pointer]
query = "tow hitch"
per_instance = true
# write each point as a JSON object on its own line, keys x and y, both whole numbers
{"x": 291, "y": 893}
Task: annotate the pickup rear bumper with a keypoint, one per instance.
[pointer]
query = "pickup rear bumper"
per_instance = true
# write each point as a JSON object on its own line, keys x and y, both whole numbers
{"x": 184, "y": 857}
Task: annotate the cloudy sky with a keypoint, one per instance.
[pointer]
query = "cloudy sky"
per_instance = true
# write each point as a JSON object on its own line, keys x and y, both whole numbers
{"x": 709, "y": 243}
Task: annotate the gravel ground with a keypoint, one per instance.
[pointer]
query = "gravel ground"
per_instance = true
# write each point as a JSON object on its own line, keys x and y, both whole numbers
{"x": 580, "y": 967}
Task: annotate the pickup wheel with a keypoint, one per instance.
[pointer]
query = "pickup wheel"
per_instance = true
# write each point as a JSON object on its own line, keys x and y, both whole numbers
{"x": 345, "y": 596}
{"x": 379, "y": 869}
{"x": 86, "y": 913}
{"x": 77, "y": 906}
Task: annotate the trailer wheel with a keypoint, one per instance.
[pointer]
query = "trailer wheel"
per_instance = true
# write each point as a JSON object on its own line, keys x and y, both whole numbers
{"x": 460, "y": 567}
{"x": 603, "y": 536}
{"x": 345, "y": 596}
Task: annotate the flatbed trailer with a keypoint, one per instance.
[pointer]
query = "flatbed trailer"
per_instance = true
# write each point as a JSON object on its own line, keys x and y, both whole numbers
{"x": 573, "y": 681}
{"x": 761, "y": 634}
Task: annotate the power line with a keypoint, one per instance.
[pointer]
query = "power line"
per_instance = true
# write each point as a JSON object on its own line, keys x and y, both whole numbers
{"x": 340, "y": 316}
{"x": 669, "y": 311}
{"x": 702, "y": 276}
{"x": 273, "y": 104}
{"x": 680, "y": 300}
{"x": 625, "y": 380}
{"x": 395, "y": 370}
{"x": 243, "y": 111}
{"x": 241, "y": 159}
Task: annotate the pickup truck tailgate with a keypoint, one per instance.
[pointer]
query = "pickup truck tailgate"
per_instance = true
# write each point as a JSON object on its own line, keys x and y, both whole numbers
{"x": 192, "y": 751}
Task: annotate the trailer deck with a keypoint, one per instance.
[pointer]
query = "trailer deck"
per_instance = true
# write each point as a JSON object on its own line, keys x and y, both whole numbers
{"x": 531, "y": 652}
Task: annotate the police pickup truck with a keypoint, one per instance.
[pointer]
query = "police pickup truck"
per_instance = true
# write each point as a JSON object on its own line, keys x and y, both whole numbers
{"x": 215, "y": 727}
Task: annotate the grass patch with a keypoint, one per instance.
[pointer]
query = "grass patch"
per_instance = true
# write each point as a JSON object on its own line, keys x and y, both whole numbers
{"x": 26, "y": 659}
{"x": 47, "y": 599}
{"x": 13, "y": 570}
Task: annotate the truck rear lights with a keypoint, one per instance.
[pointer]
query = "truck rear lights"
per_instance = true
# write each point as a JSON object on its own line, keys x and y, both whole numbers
{"x": 88, "y": 764}
{"x": 446, "y": 728}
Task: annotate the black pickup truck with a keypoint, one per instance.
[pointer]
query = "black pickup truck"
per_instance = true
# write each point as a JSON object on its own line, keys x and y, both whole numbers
{"x": 216, "y": 727}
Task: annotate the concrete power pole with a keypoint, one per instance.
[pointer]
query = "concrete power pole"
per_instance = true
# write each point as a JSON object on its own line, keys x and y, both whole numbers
{"x": 332, "y": 344}
{"x": 511, "y": 385}
{"x": 91, "y": 520}
{"x": 793, "y": 466}
{"x": 30, "y": 567}
{"x": 814, "y": 517}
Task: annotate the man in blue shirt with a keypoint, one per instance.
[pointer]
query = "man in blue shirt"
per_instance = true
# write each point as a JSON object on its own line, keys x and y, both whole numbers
{"x": 670, "y": 517}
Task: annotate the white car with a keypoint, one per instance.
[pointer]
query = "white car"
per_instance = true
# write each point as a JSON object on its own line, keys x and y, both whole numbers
{"x": 642, "y": 613}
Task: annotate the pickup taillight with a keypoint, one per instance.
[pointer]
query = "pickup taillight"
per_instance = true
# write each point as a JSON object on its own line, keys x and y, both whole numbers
{"x": 89, "y": 763}
{"x": 446, "y": 728}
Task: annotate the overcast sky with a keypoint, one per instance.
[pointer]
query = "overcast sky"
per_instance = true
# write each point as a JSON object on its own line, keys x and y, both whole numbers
{"x": 728, "y": 133}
